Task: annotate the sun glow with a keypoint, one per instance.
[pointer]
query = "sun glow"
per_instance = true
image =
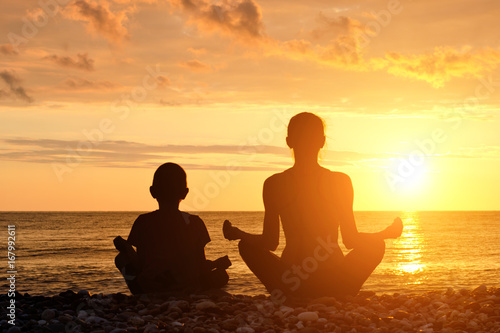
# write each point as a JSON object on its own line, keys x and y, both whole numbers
{"x": 410, "y": 177}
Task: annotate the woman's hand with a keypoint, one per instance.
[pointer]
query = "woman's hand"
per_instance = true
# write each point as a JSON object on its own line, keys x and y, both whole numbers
{"x": 394, "y": 230}
{"x": 230, "y": 232}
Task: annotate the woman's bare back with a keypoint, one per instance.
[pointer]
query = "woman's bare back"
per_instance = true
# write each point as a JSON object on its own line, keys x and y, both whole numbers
{"x": 306, "y": 204}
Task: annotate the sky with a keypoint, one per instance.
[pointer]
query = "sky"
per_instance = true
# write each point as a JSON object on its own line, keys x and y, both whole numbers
{"x": 95, "y": 95}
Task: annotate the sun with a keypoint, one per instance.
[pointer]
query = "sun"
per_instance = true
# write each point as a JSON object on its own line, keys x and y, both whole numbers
{"x": 409, "y": 176}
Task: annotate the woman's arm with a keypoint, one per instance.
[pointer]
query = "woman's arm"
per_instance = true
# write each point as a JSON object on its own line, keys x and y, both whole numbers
{"x": 351, "y": 237}
{"x": 269, "y": 239}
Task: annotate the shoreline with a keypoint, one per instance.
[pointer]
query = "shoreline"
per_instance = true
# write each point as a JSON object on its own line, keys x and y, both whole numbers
{"x": 476, "y": 310}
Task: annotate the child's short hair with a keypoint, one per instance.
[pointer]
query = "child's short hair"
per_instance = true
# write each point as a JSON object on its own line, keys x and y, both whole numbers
{"x": 169, "y": 181}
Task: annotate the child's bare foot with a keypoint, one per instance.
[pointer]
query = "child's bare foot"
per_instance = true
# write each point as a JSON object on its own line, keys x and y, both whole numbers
{"x": 230, "y": 232}
{"x": 395, "y": 229}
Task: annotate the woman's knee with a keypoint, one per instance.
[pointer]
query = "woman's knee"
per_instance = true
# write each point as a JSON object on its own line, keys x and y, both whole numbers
{"x": 378, "y": 249}
{"x": 373, "y": 249}
{"x": 245, "y": 248}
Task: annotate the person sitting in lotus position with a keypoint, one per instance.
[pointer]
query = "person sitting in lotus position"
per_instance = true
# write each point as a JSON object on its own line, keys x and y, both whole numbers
{"x": 170, "y": 244}
{"x": 313, "y": 203}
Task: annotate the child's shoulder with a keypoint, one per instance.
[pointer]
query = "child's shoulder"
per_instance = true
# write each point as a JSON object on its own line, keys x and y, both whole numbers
{"x": 191, "y": 218}
{"x": 155, "y": 216}
{"x": 148, "y": 216}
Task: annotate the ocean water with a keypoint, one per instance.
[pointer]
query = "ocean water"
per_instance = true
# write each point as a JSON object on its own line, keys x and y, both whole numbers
{"x": 56, "y": 251}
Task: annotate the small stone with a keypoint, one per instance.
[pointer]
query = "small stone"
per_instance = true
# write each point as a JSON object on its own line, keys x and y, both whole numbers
{"x": 286, "y": 310}
{"x": 308, "y": 316}
{"x": 66, "y": 318}
{"x": 82, "y": 314}
{"x": 400, "y": 314}
{"x": 42, "y": 322}
{"x": 57, "y": 327}
{"x": 118, "y": 330}
{"x": 206, "y": 305}
{"x": 175, "y": 309}
{"x": 14, "y": 329}
{"x": 136, "y": 321}
{"x": 230, "y": 324}
{"x": 143, "y": 312}
{"x": 480, "y": 290}
{"x": 48, "y": 314}
{"x": 309, "y": 330}
{"x": 92, "y": 320}
{"x": 151, "y": 328}
{"x": 148, "y": 318}
{"x": 83, "y": 292}
{"x": 212, "y": 330}
{"x": 121, "y": 325}
{"x": 183, "y": 305}
{"x": 245, "y": 329}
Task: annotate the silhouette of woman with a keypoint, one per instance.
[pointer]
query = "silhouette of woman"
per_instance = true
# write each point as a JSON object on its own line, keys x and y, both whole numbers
{"x": 312, "y": 203}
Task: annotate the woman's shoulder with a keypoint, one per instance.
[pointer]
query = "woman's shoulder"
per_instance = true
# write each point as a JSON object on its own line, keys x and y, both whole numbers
{"x": 277, "y": 177}
{"x": 334, "y": 174}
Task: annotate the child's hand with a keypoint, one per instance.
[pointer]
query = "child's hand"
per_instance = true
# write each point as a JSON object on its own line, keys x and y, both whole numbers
{"x": 120, "y": 244}
{"x": 230, "y": 232}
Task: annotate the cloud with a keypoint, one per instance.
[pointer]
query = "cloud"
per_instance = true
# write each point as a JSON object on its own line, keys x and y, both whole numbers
{"x": 8, "y": 49}
{"x": 443, "y": 64}
{"x": 76, "y": 83}
{"x": 139, "y": 155}
{"x": 333, "y": 27}
{"x": 196, "y": 66}
{"x": 339, "y": 42}
{"x": 163, "y": 81}
{"x": 100, "y": 19}
{"x": 196, "y": 51}
{"x": 14, "y": 88}
{"x": 82, "y": 61}
{"x": 241, "y": 18}
{"x": 483, "y": 152}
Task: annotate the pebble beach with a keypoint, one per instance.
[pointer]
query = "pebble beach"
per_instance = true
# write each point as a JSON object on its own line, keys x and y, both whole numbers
{"x": 476, "y": 310}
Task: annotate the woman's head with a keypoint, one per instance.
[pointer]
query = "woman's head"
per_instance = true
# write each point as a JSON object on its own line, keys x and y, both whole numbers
{"x": 306, "y": 132}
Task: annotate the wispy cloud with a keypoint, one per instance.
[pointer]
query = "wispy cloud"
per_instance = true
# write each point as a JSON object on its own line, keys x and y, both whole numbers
{"x": 138, "y": 155}
{"x": 14, "y": 88}
{"x": 82, "y": 61}
{"x": 8, "y": 49}
{"x": 443, "y": 64}
{"x": 76, "y": 83}
{"x": 196, "y": 66}
{"x": 484, "y": 152}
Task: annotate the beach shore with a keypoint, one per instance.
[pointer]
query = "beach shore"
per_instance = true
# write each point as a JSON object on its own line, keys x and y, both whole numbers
{"x": 450, "y": 310}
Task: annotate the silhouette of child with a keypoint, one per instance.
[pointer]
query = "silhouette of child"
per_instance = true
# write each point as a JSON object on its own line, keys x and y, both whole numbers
{"x": 170, "y": 244}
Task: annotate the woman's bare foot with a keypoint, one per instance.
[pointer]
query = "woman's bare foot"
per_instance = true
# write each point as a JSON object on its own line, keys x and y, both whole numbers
{"x": 395, "y": 229}
{"x": 230, "y": 232}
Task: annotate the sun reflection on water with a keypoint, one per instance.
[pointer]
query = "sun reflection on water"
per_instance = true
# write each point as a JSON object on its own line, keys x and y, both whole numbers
{"x": 410, "y": 247}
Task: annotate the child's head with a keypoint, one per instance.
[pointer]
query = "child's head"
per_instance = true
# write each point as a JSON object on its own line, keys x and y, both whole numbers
{"x": 169, "y": 183}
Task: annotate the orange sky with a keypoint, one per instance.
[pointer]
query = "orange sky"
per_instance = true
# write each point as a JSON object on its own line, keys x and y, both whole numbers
{"x": 94, "y": 95}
